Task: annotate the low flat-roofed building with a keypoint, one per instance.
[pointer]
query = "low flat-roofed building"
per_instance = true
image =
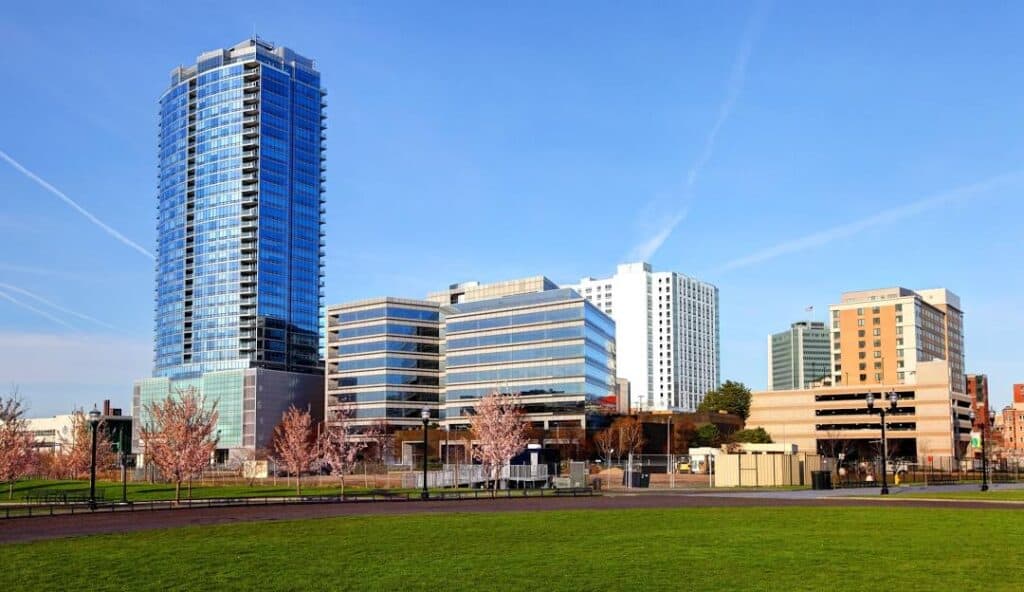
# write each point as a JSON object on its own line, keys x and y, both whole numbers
{"x": 930, "y": 416}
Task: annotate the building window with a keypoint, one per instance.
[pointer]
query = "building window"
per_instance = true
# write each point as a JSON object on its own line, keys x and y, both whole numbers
{"x": 877, "y": 354}
{"x": 860, "y": 333}
{"x": 878, "y": 377}
{"x": 877, "y": 343}
{"x": 860, "y": 322}
{"x": 862, "y": 355}
{"x": 878, "y": 365}
{"x": 862, "y": 366}
{"x": 860, "y": 344}
{"x": 875, "y": 309}
{"x": 863, "y": 377}
{"x": 876, "y": 321}
{"x": 860, "y": 311}
{"x": 876, "y": 332}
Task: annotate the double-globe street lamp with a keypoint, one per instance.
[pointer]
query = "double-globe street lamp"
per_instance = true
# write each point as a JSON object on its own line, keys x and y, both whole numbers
{"x": 893, "y": 399}
{"x": 94, "y": 424}
{"x": 425, "y": 416}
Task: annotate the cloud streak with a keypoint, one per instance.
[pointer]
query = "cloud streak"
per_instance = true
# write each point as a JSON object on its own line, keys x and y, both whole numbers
{"x": 55, "y": 306}
{"x": 75, "y": 206}
{"x": 737, "y": 78}
{"x": 885, "y": 217}
{"x": 38, "y": 311}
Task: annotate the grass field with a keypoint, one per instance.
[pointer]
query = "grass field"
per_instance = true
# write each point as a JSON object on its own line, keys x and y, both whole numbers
{"x": 687, "y": 549}
{"x": 994, "y": 495}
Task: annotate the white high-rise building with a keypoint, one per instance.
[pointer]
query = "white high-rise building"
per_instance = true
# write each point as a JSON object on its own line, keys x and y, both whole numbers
{"x": 666, "y": 334}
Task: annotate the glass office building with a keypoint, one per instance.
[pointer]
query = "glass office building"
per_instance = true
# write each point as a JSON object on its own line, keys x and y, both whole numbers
{"x": 384, "y": 361}
{"x": 389, "y": 358}
{"x": 240, "y": 223}
{"x": 553, "y": 348}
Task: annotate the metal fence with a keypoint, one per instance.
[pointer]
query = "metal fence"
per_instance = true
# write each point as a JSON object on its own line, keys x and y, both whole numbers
{"x": 929, "y": 471}
{"x": 50, "y": 509}
{"x": 514, "y": 476}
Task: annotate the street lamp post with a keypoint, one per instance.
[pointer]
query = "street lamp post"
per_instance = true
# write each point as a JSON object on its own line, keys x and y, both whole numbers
{"x": 425, "y": 416}
{"x": 893, "y": 398}
{"x": 984, "y": 452}
{"x": 94, "y": 423}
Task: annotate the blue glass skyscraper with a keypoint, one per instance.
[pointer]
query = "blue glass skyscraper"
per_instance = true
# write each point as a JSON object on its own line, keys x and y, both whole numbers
{"x": 239, "y": 269}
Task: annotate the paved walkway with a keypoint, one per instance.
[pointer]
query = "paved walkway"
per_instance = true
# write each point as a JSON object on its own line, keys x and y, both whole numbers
{"x": 30, "y": 529}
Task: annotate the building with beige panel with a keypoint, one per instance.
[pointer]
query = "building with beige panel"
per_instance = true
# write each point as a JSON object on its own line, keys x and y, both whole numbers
{"x": 931, "y": 418}
{"x": 882, "y": 336}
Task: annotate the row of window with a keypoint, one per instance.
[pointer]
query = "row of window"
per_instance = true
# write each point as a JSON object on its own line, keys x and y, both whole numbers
{"x": 395, "y": 312}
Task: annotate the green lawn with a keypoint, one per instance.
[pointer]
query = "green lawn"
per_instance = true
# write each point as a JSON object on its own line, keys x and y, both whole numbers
{"x": 994, "y": 495}
{"x": 787, "y": 548}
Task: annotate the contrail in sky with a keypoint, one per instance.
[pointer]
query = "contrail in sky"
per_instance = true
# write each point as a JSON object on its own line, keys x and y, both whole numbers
{"x": 54, "y": 305}
{"x": 40, "y": 312}
{"x": 74, "y": 205}
{"x": 889, "y": 216}
{"x": 737, "y": 78}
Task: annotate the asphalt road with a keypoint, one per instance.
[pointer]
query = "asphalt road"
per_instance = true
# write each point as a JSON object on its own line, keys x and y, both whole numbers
{"x": 47, "y": 527}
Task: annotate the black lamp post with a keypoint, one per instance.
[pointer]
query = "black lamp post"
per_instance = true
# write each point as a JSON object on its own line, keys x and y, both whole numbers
{"x": 425, "y": 416}
{"x": 984, "y": 453}
{"x": 94, "y": 423}
{"x": 893, "y": 398}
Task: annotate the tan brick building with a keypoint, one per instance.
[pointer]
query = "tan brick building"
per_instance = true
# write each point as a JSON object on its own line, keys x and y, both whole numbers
{"x": 880, "y": 336}
{"x": 886, "y": 340}
{"x": 928, "y": 420}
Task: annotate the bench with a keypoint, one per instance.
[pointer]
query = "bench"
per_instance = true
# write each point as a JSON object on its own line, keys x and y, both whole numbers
{"x": 574, "y": 491}
{"x": 61, "y": 496}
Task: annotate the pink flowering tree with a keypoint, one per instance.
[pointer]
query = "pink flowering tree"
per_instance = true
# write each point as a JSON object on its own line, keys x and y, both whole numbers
{"x": 17, "y": 444}
{"x": 500, "y": 432}
{"x": 76, "y": 447}
{"x": 339, "y": 445}
{"x": 180, "y": 437}
{"x": 295, "y": 444}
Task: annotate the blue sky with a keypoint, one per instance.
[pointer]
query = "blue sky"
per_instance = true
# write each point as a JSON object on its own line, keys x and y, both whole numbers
{"x": 786, "y": 152}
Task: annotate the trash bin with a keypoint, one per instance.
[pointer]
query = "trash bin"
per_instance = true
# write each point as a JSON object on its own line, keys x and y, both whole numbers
{"x": 636, "y": 479}
{"x": 821, "y": 480}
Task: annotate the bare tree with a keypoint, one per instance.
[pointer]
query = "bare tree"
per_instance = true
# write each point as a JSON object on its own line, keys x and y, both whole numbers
{"x": 500, "y": 432}
{"x": 295, "y": 443}
{"x": 17, "y": 444}
{"x": 630, "y": 435}
{"x": 180, "y": 439}
{"x": 605, "y": 441}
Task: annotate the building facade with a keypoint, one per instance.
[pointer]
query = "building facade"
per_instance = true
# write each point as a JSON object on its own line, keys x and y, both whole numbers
{"x": 389, "y": 358}
{"x": 799, "y": 357}
{"x": 1009, "y": 427}
{"x": 667, "y": 334}
{"x": 931, "y": 419}
{"x": 881, "y": 336}
{"x": 553, "y": 349}
{"x": 239, "y": 253}
{"x": 50, "y": 434}
{"x": 977, "y": 390}
{"x": 384, "y": 361}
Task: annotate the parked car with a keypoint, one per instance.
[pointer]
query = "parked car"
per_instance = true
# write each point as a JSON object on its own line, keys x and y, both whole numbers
{"x": 683, "y": 466}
